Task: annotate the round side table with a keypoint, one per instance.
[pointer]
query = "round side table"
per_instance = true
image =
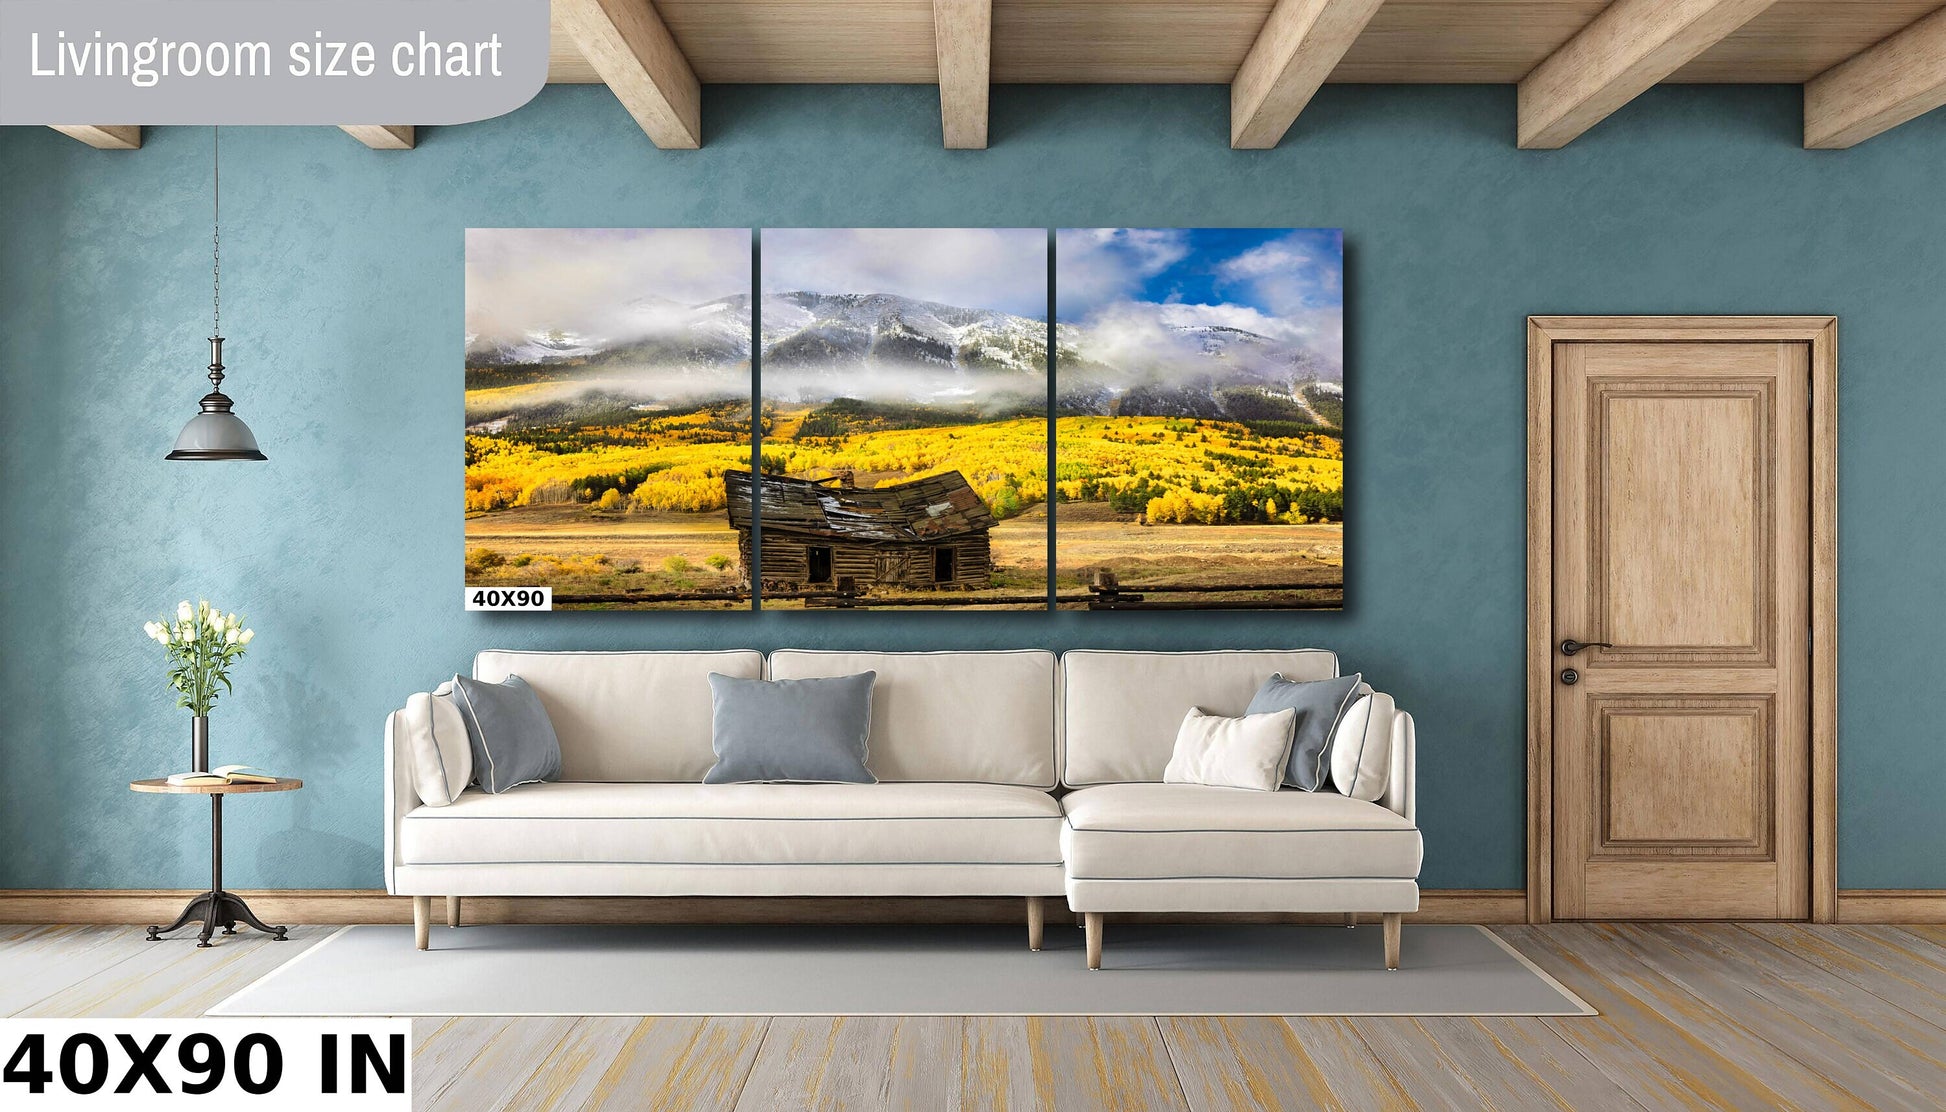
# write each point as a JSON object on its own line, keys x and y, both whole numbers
{"x": 215, "y": 907}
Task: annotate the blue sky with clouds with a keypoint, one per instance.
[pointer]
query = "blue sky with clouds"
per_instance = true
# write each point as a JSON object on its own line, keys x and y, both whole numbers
{"x": 1273, "y": 272}
{"x": 1138, "y": 286}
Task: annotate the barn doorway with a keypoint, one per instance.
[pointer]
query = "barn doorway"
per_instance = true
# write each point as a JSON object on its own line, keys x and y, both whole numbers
{"x": 945, "y": 564}
{"x": 819, "y": 556}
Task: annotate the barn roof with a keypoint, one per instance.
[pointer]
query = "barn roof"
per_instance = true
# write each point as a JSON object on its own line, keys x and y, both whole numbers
{"x": 921, "y": 511}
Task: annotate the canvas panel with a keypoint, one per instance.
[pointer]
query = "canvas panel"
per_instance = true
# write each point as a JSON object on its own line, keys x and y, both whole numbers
{"x": 1199, "y": 418}
{"x": 607, "y": 397}
{"x": 904, "y": 390}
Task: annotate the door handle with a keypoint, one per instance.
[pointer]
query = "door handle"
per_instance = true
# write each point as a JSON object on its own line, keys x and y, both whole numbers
{"x": 1570, "y": 647}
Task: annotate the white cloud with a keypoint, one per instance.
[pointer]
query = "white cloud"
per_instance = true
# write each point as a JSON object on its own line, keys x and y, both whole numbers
{"x": 1265, "y": 258}
{"x": 980, "y": 268}
{"x": 601, "y": 283}
{"x": 1286, "y": 276}
{"x": 1099, "y": 266}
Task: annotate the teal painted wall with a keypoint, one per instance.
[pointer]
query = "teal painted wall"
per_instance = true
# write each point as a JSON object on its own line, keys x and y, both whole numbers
{"x": 343, "y": 307}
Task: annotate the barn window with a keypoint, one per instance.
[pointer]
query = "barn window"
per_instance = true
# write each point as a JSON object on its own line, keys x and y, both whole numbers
{"x": 819, "y": 556}
{"x": 945, "y": 564}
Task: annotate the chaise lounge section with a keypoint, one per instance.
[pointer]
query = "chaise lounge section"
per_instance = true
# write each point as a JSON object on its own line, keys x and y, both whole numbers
{"x": 1132, "y": 843}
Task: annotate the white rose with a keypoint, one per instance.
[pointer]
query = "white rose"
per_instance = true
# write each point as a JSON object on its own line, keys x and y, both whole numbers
{"x": 232, "y": 620}
{"x": 202, "y": 608}
{"x": 230, "y": 637}
{"x": 149, "y": 628}
{"x": 245, "y": 636}
{"x": 183, "y": 612}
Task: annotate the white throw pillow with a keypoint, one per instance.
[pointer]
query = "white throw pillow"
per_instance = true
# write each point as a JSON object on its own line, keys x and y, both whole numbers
{"x": 1247, "y": 752}
{"x": 1361, "y": 747}
{"x": 434, "y": 738}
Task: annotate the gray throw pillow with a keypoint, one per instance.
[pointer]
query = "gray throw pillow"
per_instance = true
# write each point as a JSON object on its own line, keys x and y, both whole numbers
{"x": 1319, "y": 704}
{"x": 512, "y": 739}
{"x": 791, "y": 731}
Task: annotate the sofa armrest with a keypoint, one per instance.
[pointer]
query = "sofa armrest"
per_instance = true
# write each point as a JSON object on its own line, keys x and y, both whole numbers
{"x": 400, "y": 795}
{"x": 1402, "y": 787}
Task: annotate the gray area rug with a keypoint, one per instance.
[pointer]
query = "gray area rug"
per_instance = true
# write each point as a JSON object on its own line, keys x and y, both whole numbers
{"x": 1148, "y": 969}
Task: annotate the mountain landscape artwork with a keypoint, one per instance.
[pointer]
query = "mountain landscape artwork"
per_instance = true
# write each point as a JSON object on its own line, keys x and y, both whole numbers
{"x": 608, "y": 388}
{"x": 1199, "y": 418}
{"x": 904, "y": 419}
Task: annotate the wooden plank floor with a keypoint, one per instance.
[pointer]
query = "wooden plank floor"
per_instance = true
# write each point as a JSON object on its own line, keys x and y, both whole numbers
{"x": 1710, "y": 1015}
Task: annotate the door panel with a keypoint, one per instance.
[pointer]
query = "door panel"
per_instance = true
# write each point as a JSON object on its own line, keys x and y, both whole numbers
{"x": 1681, "y": 535}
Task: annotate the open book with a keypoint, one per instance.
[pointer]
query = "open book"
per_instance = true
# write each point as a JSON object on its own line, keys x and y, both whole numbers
{"x": 227, "y": 774}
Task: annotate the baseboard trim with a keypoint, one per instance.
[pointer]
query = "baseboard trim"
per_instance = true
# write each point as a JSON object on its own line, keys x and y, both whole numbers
{"x": 362, "y": 905}
{"x": 1892, "y": 905}
{"x": 358, "y": 905}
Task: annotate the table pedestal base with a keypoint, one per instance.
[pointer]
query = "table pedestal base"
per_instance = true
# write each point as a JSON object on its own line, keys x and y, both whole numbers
{"x": 218, "y": 908}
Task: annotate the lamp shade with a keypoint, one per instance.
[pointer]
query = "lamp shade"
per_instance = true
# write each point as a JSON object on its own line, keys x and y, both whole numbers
{"x": 216, "y": 434}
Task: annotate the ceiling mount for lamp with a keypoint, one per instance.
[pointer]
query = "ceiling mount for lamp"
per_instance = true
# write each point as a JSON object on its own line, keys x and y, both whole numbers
{"x": 215, "y": 433}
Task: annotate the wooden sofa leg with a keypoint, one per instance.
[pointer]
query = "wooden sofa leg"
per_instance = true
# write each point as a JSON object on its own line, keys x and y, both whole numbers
{"x": 1093, "y": 920}
{"x": 1351, "y": 919}
{"x": 1394, "y": 923}
{"x": 1036, "y": 918}
{"x": 421, "y": 921}
{"x": 452, "y": 911}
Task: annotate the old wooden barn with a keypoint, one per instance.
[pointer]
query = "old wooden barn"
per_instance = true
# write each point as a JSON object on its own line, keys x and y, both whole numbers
{"x": 929, "y": 533}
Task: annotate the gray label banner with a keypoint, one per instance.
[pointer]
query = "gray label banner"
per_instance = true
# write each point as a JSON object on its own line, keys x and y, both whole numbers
{"x": 269, "y": 61}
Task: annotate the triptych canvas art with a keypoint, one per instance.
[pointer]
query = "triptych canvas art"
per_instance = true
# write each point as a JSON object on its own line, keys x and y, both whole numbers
{"x": 865, "y": 418}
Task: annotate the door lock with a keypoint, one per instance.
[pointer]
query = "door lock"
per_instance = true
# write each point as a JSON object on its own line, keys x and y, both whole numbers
{"x": 1570, "y": 677}
{"x": 1570, "y": 646}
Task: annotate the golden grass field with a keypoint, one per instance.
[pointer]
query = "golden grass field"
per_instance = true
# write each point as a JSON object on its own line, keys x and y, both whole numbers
{"x": 1224, "y": 505}
{"x": 1198, "y": 555}
{"x": 576, "y": 551}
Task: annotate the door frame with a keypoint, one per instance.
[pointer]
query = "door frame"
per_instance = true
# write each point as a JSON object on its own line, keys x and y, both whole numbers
{"x": 1821, "y": 333}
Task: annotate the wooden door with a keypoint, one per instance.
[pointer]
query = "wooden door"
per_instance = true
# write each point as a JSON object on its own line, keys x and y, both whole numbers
{"x": 1681, "y": 537}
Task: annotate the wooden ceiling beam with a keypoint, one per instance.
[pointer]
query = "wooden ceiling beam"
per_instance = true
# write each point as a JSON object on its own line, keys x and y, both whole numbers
{"x": 383, "y": 137}
{"x": 1879, "y": 89}
{"x": 631, "y": 48}
{"x": 1300, "y": 44}
{"x": 963, "y": 38}
{"x": 105, "y": 137}
{"x": 1618, "y": 56}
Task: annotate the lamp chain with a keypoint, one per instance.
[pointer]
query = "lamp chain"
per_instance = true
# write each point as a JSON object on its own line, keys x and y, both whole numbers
{"x": 216, "y": 252}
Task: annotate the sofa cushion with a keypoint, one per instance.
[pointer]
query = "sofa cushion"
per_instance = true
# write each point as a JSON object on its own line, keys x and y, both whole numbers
{"x": 513, "y": 742}
{"x": 791, "y": 731}
{"x": 1121, "y": 709}
{"x": 1183, "y": 831}
{"x": 435, "y": 743}
{"x": 625, "y": 716}
{"x": 1319, "y": 705}
{"x": 739, "y": 824}
{"x": 1247, "y": 752}
{"x": 952, "y": 716}
{"x": 1361, "y": 748}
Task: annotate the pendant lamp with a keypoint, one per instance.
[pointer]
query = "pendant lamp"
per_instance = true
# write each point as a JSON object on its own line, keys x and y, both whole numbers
{"x": 215, "y": 433}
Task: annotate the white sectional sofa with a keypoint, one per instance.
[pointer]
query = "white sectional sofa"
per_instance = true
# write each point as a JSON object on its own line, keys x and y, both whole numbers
{"x": 1010, "y": 773}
